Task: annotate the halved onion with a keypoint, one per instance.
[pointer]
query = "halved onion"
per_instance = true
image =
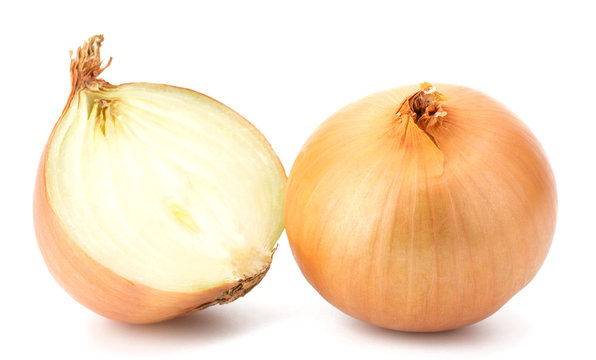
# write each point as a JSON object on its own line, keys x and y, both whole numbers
{"x": 153, "y": 201}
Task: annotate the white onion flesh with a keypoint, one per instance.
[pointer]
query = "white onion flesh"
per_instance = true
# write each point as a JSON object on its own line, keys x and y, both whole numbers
{"x": 182, "y": 194}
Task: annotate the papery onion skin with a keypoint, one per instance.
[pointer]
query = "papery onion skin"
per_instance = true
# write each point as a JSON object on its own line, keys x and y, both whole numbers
{"x": 93, "y": 284}
{"x": 410, "y": 235}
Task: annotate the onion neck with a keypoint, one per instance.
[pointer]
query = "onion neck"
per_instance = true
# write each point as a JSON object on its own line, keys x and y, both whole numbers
{"x": 85, "y": 67}
{"x": 424, "y": 107}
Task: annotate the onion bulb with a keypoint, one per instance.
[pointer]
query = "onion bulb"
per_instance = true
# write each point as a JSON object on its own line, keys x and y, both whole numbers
{"x": 421, "y": 208}
{"x": 153, "y": 201}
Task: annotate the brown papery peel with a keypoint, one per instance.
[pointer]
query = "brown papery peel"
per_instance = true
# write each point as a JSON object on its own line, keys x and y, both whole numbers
{"x": 154, "y": 201}
{"x": 421, "y": 208}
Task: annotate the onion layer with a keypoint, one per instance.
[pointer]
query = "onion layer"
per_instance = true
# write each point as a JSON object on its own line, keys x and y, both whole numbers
{"x": 421, "y": 211}
{"x": 153, "y": 201}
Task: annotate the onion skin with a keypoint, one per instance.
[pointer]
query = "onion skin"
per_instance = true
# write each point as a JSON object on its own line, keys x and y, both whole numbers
{"x": 408, "y": 235}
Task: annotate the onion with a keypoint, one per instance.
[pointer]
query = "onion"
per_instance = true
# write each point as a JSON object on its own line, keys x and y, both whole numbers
{"x": 421, "y": 211}
{"x": 154, "y": 201}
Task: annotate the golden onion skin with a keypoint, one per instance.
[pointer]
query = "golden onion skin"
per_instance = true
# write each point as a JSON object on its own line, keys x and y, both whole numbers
{"x": 421, "y": 230}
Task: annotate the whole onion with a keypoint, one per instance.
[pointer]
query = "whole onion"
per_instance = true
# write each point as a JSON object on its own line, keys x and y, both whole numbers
{"x": 421, "y": 209}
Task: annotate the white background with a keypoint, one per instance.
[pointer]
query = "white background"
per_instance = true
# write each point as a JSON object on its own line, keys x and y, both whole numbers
{"x": 286, "y": 68}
